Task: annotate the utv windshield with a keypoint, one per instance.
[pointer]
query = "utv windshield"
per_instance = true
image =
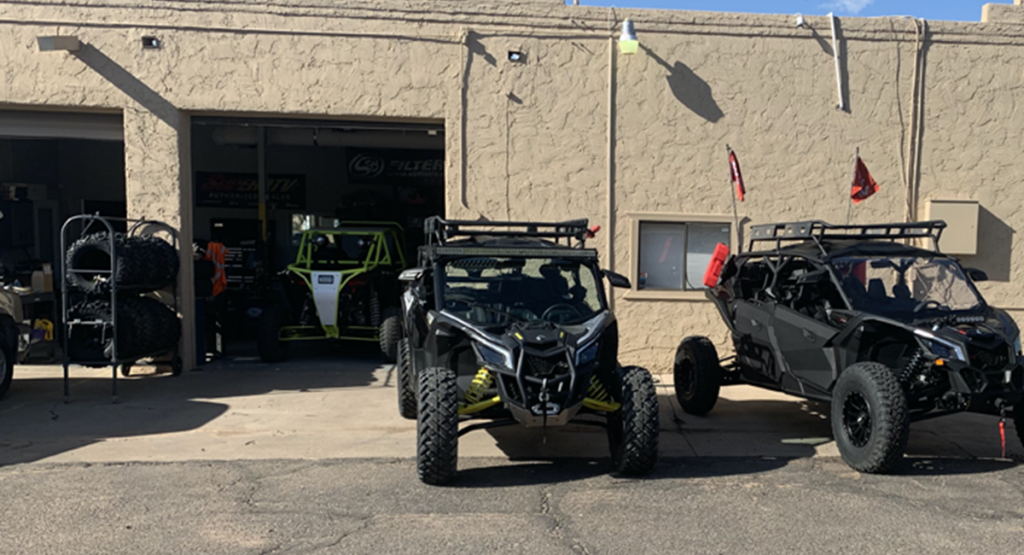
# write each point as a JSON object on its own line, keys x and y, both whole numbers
{"x": 494, "y": 291}
{"x": 906, "y": 287}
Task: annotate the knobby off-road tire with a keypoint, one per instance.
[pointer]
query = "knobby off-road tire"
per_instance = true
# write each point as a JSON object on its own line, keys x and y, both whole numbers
{"x": 7, "y": 358}
{"x": 437, "y": 427}
{"x": 633, "y": 429}
{"x": 870, "y": 420}
{"x": 405, "y": 383}
{"x": 390, "y": 333}
{"x": 145, "y": 326}
{"x": 697, "y": 375}
{"x": 145, "y": 263}
{"x": 268, "y": 332}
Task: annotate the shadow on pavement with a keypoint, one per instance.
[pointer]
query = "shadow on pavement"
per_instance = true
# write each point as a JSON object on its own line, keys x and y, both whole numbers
{"x": 574, "y": 469}
{"x": 923, "y": 466}
{"x": 35, "y": 423}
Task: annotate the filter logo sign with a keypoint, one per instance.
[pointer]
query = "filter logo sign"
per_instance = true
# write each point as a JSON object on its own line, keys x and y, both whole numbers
{"x": 399, "y": 167}
{"x": 365, "y": 166}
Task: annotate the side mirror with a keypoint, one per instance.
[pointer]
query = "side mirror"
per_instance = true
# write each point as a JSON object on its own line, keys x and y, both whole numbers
{"x": 411, "y": 275}
{"x": 617, "y": 280}
{"x": 976, "y": 274}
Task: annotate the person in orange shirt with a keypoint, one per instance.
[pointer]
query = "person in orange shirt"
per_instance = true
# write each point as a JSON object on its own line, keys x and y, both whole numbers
{"x": 216, "y": 252}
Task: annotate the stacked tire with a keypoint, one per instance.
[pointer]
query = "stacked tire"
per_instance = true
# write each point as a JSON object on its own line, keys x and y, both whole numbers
{"x": 145, "y": 326}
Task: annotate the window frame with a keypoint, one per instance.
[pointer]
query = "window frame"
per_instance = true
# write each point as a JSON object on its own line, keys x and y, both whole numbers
{"x": 637, "y": 218}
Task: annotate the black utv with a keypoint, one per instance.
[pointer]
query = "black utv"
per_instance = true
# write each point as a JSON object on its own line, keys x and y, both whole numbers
{"x": 507, "y": 323}
{"x": 887, "y": 332}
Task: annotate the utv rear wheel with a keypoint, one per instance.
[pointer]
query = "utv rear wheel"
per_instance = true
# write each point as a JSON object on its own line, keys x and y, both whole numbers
{"x": 271, "y": 348}
{"x": 633, "y": 429}
{"x": 697, "y": 374}
{"x": 437, "y": 429}
{"x": 390, "y": 333}
{"x": 405, "y": 384}
{"x": 870, "y": 420}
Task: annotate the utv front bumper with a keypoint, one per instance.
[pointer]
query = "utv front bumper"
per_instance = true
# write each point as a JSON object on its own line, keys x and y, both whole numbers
{"x": 987, "y": 389}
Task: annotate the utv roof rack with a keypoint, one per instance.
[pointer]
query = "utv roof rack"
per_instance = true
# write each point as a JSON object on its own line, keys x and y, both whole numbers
{"x": 440, "y": 231}
{"x": 819, "y": 231}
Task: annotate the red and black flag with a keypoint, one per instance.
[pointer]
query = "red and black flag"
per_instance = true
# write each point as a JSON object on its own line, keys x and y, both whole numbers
{"x": 736, "y": 176}
{"x": 863, "y": 184}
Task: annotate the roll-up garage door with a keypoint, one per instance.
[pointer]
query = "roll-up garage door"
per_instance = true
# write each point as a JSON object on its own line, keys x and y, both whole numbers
{"x": 22, "y": 124}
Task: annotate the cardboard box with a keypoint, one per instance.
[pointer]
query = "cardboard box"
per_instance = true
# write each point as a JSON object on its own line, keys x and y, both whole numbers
{"x": 42, "y": 280}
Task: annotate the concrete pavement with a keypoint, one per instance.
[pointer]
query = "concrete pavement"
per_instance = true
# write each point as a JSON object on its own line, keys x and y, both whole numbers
{"x": 320, "y": 407}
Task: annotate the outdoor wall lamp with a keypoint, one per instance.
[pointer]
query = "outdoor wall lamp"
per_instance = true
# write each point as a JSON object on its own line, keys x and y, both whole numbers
{"x": 53, "y": 44}
{"x": 628, "y": 43}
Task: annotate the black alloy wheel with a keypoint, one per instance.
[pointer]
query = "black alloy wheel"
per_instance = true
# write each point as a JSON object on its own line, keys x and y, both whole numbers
{"x": 857, "y": 419}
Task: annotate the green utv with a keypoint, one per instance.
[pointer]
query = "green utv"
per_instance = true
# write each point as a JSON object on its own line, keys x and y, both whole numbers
{"x": 343, "y": 285}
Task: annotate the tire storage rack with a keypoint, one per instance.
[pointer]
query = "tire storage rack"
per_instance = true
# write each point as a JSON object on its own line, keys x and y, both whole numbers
{"x": 110, "y": 315}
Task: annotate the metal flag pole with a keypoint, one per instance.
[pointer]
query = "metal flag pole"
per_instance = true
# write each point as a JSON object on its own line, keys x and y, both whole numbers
{"x": 849, "y": 207}
{"x": 732, "y": 195}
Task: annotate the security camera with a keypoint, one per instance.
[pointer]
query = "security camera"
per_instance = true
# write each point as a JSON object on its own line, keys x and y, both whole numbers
{"x": 799, "y": 21}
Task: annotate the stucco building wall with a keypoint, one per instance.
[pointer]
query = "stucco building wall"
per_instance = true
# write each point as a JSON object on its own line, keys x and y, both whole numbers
{"x": 931, "y": 107}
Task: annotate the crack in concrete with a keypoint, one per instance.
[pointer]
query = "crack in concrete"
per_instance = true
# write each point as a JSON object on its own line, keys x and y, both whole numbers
{"x": 558, "y": 530}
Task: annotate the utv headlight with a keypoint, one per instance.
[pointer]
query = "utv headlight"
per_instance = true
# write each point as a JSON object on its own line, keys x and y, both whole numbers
{"x": 943, "y": 350}
{"x": 587, "y": 354}
{"x": 491, "y": 355}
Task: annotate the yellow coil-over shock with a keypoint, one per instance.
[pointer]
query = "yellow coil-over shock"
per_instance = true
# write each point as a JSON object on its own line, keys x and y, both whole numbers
{"x": 598, "y": 397}
{"x": 476, "y": 391}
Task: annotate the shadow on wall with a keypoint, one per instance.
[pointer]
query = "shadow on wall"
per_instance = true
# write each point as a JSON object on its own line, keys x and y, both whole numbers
{"x": 995, "y": 247}
{"x": 129, "y": 84}
{"x": 689, "y": 89}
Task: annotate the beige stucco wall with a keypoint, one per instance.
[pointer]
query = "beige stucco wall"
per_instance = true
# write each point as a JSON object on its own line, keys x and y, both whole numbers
{"x": 532, "y": 140}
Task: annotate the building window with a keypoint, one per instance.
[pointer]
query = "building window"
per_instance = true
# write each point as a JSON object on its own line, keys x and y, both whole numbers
{"x": 674, "y": 255}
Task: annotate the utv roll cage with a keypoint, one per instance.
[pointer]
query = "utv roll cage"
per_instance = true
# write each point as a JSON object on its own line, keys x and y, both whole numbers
{"x": 819, "y": 232}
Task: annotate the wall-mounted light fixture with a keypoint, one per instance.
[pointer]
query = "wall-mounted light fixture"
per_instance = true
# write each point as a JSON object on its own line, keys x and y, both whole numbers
{"x": 628, "y": 43}
{"x": 517, "y": 56}
{"x": 150, "y": 42}
{"x": 56, "y": 44}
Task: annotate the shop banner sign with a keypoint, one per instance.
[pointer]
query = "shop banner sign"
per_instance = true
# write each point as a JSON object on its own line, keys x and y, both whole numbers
{"x": 242, "y": 190}
{"x": 395, "y": 167}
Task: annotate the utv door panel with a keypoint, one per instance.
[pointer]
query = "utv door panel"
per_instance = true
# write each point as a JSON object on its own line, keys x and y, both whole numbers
{"x": 802, "y": 341}
{"x": 753, "y": 319}
{"x": 754, "y": 346}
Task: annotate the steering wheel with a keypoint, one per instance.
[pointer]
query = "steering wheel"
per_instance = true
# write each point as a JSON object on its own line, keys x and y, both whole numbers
{"x": 560, "y": 306}
{"x": 927, "y": 303}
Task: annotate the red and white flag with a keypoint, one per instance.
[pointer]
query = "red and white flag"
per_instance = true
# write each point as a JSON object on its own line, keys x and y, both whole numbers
{"x": 736, "y": 176}
{"x": 863, "y": 184}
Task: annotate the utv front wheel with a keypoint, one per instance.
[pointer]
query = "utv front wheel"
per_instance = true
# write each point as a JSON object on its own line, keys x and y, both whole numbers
{"x": 6, "y": 367}
{"x": 697, "y": 374}
{"x": 390, "y": 333}
{"x": 270, "y": 347}
{"x": 870, "y": 420}
{"x": 633, "y": 429}
{"x": 405, "y": 384}
{"x": 437, "y": 429}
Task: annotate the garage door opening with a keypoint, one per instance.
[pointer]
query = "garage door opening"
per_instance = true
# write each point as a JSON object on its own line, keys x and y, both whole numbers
{"x": 53, "y": 165}
{"x": 260, "y": 183}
